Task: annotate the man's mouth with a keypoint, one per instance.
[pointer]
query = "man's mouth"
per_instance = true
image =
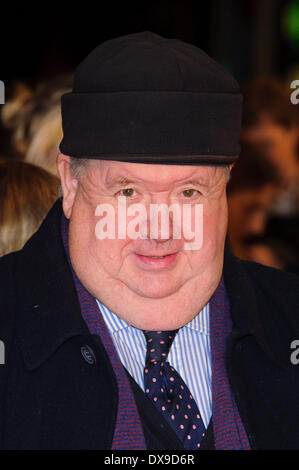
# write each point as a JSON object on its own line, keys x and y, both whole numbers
{"x": 163, "y": 261}
{"x": 156, "y": 256}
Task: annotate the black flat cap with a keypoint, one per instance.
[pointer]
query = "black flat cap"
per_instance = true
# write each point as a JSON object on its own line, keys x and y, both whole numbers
{"x": 147, "y": 99}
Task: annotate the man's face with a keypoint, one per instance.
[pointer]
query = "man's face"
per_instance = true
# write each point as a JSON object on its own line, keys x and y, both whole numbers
{"x": 128, "y": 275}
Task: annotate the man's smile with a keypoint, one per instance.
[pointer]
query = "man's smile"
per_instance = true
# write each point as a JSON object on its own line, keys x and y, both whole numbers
{"x": 154, "y": 261}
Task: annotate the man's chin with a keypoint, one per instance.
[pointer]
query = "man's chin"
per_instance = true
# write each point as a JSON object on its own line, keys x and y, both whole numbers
{"x": 154, "y": 290}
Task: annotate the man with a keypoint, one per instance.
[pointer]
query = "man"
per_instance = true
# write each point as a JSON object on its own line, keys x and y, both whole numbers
{"x": 157, "y": 340}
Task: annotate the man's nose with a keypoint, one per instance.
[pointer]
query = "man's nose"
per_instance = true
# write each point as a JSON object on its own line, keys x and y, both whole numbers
{"x": 161, "y": 224}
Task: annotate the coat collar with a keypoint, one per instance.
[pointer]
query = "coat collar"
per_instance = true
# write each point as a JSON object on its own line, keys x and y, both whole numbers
{"x": 254, "y": 309}
{"x": 48, "y": 307}
{"x": 49, "y": 311}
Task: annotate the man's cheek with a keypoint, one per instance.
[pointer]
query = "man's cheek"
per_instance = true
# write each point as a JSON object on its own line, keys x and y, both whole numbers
{"x": 208, "y": 226}
{"x": 108, "y": 253}
{"x": 214, "y": 229}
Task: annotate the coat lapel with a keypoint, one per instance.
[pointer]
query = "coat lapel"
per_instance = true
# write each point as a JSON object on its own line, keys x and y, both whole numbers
{"x": 49, "y": 312}
{"x": 262, "y": 378}
{"x": 75, "y": 398}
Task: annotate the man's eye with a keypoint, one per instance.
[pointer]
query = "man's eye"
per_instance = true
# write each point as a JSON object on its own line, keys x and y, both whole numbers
{"x": 129, "y": 192}
{"x": 189, "y": 192}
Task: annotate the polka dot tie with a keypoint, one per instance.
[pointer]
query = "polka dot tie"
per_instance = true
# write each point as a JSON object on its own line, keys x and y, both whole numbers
{"x": 166, "y": 388}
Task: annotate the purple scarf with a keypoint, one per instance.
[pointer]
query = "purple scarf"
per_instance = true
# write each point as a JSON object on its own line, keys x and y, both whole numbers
{"x": 229, "y": 432}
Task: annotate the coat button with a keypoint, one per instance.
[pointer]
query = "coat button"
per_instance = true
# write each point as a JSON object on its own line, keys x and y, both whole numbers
{"x": 88, "y": 354}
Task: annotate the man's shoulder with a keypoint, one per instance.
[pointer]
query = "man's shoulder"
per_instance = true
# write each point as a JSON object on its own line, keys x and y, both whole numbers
{"x": 276, "y": 282}
{"x": 281, "y": 284}
{"x": 7, "y": 272}
{"x": 27, "y": 271}
{"x": 277, "y": 299}
{"x": 262, "y": 295}
{"x": 8, "y": 295}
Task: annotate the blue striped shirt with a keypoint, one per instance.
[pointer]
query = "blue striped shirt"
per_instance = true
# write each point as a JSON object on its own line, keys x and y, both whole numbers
{"x": 189, "y": 354}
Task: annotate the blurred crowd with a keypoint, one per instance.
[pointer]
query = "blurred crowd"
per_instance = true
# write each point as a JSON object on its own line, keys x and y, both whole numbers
{"x": 263, "y": 191}
{"x": 31, "y": 131}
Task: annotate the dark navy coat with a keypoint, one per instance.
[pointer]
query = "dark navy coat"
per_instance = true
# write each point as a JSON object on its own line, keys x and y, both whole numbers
{"x": 52, "y": 398}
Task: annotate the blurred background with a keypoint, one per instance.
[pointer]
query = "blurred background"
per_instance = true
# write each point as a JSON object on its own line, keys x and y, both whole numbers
{"x": 256, "y": 40}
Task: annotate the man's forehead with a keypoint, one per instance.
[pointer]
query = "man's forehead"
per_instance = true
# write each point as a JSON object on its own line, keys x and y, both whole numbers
{"x": 111, "y": 172}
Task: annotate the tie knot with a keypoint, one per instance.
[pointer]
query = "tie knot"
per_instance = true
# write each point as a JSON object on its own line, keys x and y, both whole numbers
{"x": 158, "y": 344}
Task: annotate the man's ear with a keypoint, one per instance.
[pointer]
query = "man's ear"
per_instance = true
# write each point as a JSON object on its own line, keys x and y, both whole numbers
{"x": 69, "y": 183}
